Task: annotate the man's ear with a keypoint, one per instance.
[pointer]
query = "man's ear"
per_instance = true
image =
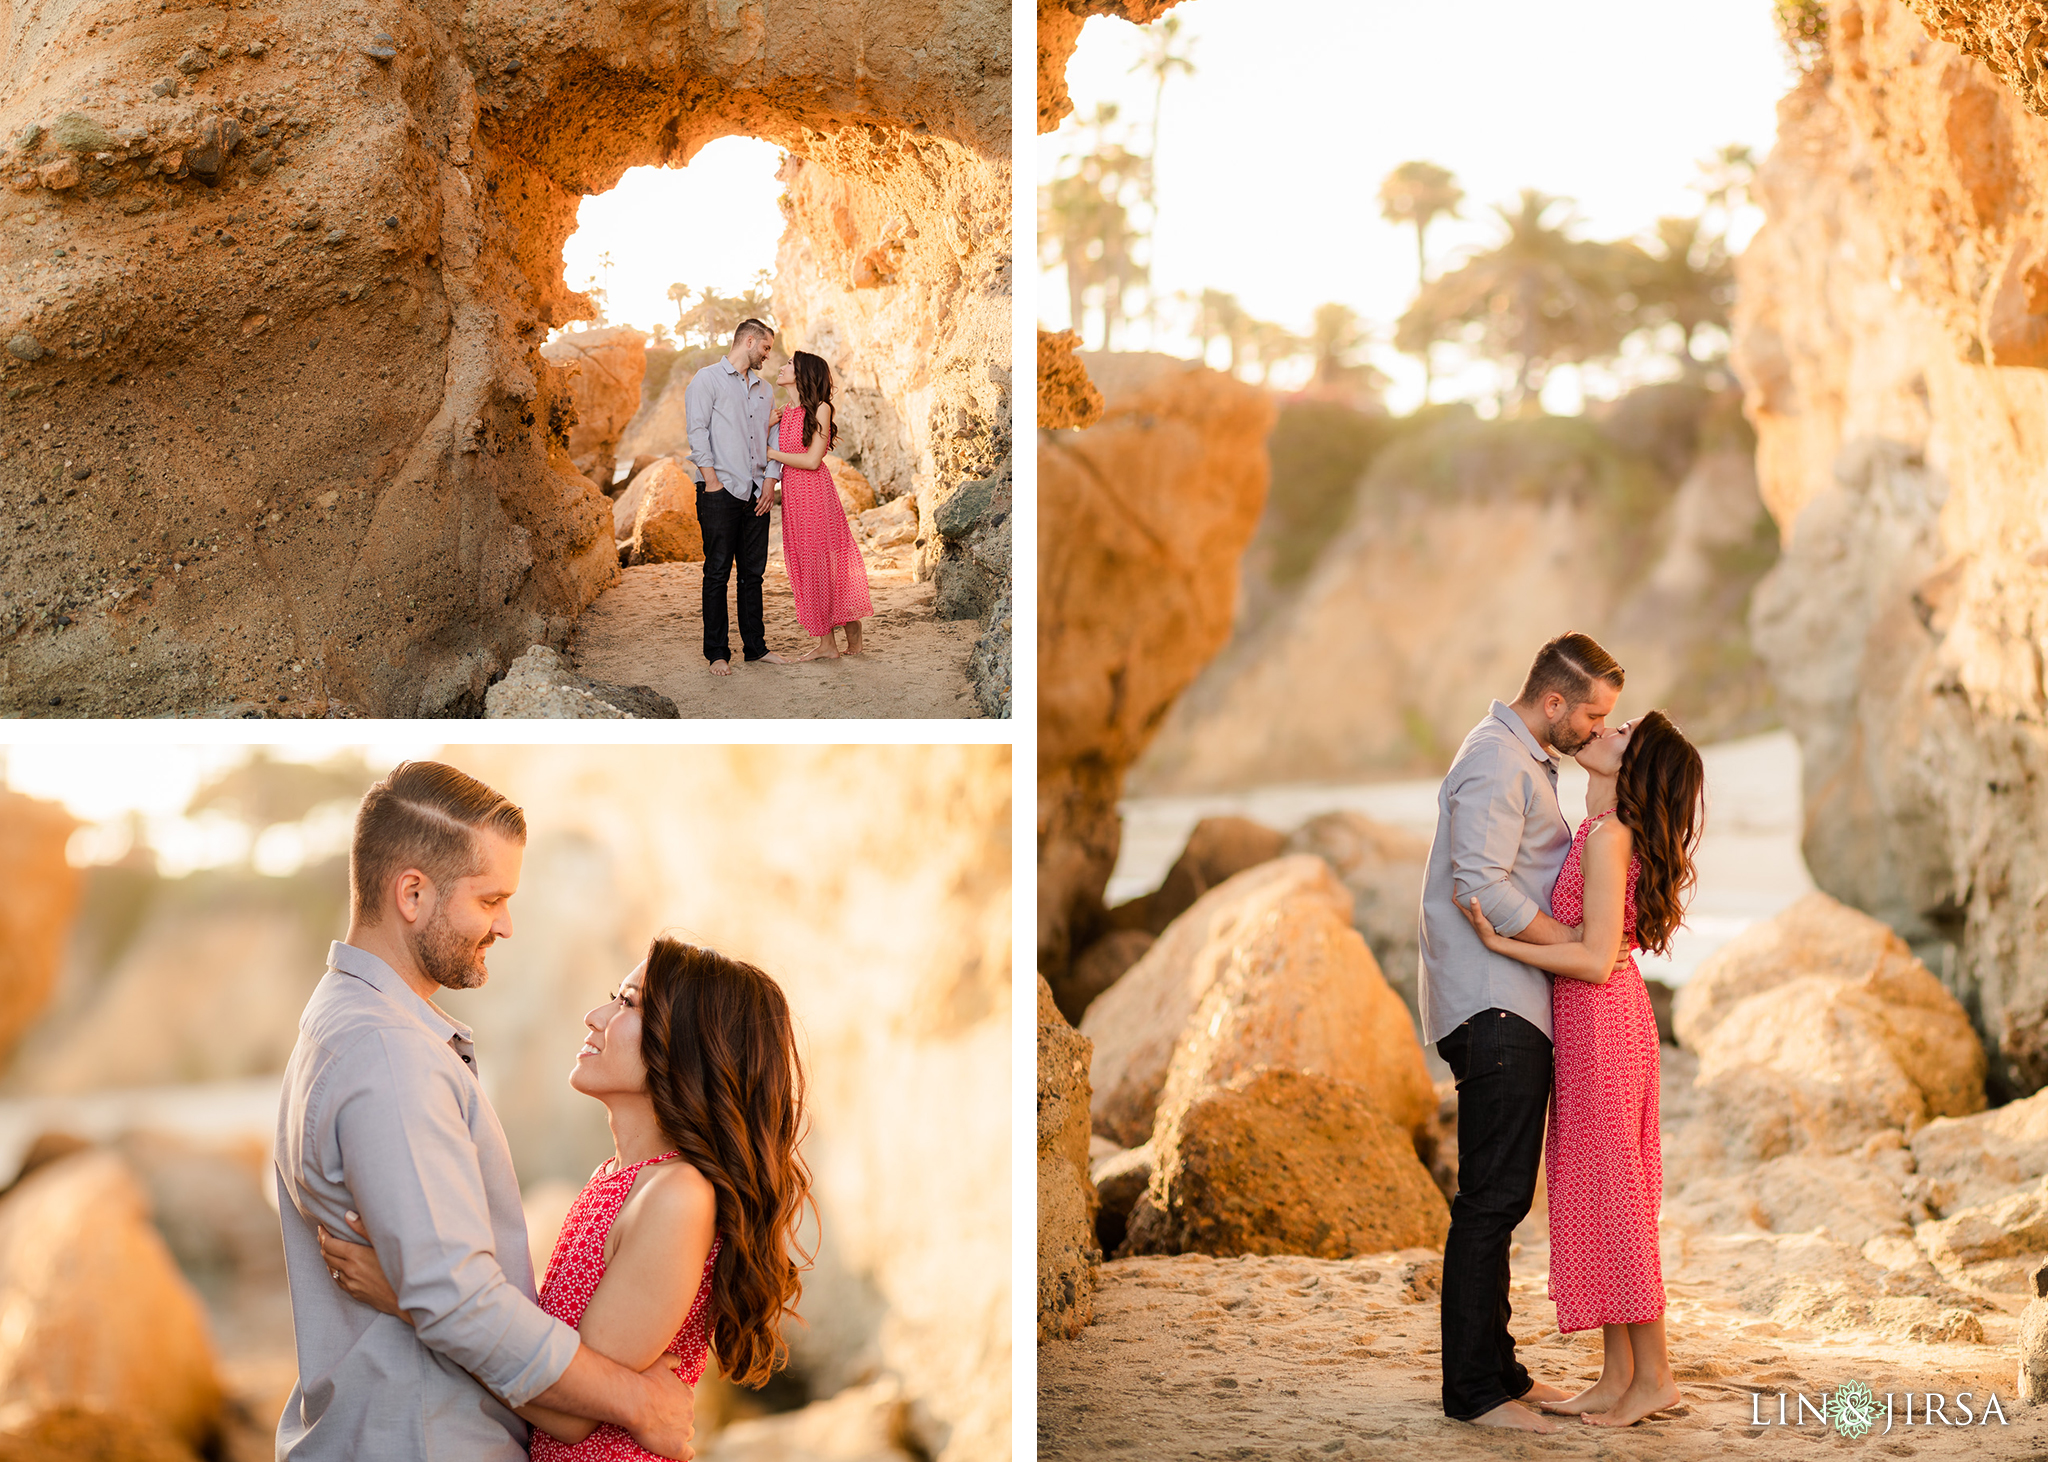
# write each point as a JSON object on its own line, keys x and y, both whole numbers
{"x": 414, "y": 893}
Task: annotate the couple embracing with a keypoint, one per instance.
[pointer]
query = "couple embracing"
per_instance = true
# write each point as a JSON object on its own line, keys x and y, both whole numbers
{"x": 1530, "y": 992}
{"x": 420, "y": 1333}
{"x": 745, "y": 454}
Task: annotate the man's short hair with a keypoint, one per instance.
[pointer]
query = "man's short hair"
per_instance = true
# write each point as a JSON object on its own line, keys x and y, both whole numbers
{"x": 752, "y": 327}
{"x": 1569, "y": 665}
{"x": 424, "y": 815}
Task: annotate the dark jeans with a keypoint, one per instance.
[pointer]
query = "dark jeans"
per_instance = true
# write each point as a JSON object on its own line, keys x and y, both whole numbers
{"x": 1503, "y": 1067}
{"x": 733, "y": 534}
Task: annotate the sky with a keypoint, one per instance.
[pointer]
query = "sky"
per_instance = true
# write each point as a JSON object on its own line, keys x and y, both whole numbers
{"x": 1271, "y": 155}
{"x": 714, "y": 223}
{"x": 103, "y": 785}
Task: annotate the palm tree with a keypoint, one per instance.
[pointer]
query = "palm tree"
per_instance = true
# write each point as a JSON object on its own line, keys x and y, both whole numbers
{"x": 679, "y": 296}
{"x": 1687, "y": 279}
{"x": 1539, "y": 299}
{"x": 1085, "y": 224}
{"x": 1419, "y": 193}
{"x": 1335, "y": 339}
{"x": 1164, "y": 58}
{"x": 1271, "y": 345}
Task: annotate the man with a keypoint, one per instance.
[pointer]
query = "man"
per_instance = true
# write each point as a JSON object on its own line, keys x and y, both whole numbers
{"x": 383, "y": 1115}
{"x": 1501, "y": 836}
{"x": 728, "y": 405}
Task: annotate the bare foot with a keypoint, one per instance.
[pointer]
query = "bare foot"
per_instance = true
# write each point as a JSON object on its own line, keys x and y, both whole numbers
{"x": 1636, "y": 1403}
{"x": 1539, "y": 1392}
{"x": 1600, "y": 1396}
{"x": 721, "y": 667}
{"x": 1517, "y": 1417}
{"x": 853, "y": 638}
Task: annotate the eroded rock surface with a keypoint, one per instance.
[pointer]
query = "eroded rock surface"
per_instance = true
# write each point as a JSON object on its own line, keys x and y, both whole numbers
{"x": 1142, "y": 519}
{"x": 279, "y": 436}
{"x": 605, "y": 369}
{"x": 1066, "y": 1197}
{"x": 1889, "y": 330}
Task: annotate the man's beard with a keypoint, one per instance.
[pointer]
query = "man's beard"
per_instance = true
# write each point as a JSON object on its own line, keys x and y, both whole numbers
{"x": 450, "y": 960}
{"x": 1561, "y": 736}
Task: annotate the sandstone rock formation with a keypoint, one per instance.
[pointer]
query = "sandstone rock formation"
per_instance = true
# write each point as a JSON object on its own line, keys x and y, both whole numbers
{"x": 1066, "y": 397}
{"x": 281, "y": 310}
{"x": 1818, "y": 1028}
{"x": 1383, "y": 867}
{"x": 1137, "y": 1024}
{"x": 38, "y": 895}
{"x": 541, "y": 684}
{"x": 1142, "y": 518}
{"x": 664, "y": 523}
{"x": 903, "y": 285}
{"x": 1289, "y": 1162}
{"x": 100, "y": 1316}
{"x": 1888, "y": 331}
{"x": 1098, "y": 967}
{"x": 605, "y": 369}
{"x": 870, "y": 1423}
{"x": 1066, "y": 1198}
{"x": 1412, "y": 616}
{"x": 1059, "y": 30}
{"x": 1960, "y": 1162}
{"x": 1298, "y": 990}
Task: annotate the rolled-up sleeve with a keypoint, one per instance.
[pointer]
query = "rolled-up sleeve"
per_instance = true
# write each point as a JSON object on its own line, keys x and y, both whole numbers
{"x": 697, "y": 413}
{"x": 1487, "y": 816}
{"x": 410, "y": 1165}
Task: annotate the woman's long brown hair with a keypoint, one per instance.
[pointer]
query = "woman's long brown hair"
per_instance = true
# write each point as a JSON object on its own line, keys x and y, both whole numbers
{"x": 1660, "y": 796}
{"x": 813, "y": 389}
{"x": 728, "y": 1088}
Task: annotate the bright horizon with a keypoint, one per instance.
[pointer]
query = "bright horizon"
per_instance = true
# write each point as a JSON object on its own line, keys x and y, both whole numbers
{"x": 1271, "y": 154}
{"x": 714, "y": 223}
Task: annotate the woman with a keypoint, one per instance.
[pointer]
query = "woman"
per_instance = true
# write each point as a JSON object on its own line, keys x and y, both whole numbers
{"x": 682, "y": 1237}
{"x": 1624, "y": 886}
{"x": 826, "y": 573}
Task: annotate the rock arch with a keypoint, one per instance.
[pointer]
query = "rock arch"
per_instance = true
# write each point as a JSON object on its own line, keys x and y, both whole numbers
{"x": 278, "y": 437}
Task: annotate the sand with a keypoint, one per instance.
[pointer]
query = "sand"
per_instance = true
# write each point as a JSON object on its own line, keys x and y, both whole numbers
{"x": 647, "y": 629}
{"x": 1303, "y": 1358}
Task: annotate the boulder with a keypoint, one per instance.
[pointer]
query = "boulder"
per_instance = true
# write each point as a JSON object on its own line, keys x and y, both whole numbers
{"x": 606, "y": 367}
{"x": 541, "y": 684}
{"x": 1297, "y": 988}
{"x": 1291, "y": 1162}
{"x": 1099, "y": 966}
{"x": 891, "y": 525}
{"x": 1818, "y": 1028}
{"x": 2033, "y": 1382}
{"x": 665, "y": 527}
{"x": 1382, "y": 866}
{"x": 1218, "y": 848}
{"x": 209, "y": 1201}
{"x": 98, "y": 1314}
{"x": 1121, "y": 1177}
{"x": 1142, "y": 519}
{"x": 1961, "y": 1162}
{"x": 1993, "y": 1247}
{"x": 1066, "y": 1199}
{"x": 69, "y": 1433}
{"x": 856, "y": 493}
{"x": 38, "y": 896}
{"x": 1137, "y": 1023}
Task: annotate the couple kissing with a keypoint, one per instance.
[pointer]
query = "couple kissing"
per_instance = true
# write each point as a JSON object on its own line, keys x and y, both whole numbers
{"x": 1530, "y": 992}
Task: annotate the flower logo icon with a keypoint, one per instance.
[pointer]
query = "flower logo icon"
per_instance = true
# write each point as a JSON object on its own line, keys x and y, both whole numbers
{"x": 1852, "y": 1409}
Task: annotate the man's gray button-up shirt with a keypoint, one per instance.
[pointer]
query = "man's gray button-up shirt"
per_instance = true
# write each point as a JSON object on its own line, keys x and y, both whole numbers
{"x": 382, "y": 1113}
{"x": 1501, "y": 835}
{"x": 728, "y": 416}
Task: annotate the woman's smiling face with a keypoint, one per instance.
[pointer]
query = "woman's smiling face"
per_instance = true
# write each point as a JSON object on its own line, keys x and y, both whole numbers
{"x": 610, "y": 1059}
{"x": 787, "y": 375}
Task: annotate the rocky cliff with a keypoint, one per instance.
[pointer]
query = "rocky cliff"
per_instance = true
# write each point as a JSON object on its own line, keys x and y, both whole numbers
{"x": 1892, "y": 330}
{"x": 1467, "y": 543}
{"x": 277, "y": 434}
{"x": 1142, "y": 518}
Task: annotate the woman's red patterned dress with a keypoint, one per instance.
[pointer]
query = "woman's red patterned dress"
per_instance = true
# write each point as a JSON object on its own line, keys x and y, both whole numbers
{"x": 1603, "y": 1161}
{"x": 573, "y": 1272}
